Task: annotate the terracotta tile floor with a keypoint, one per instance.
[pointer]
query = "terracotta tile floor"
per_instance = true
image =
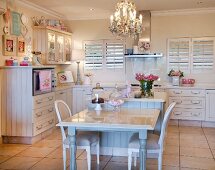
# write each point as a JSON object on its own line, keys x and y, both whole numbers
{"x": 187, "y": 148}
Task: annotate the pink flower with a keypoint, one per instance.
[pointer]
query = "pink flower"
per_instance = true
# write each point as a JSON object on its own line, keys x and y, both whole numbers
{"x": 143, "y": 77}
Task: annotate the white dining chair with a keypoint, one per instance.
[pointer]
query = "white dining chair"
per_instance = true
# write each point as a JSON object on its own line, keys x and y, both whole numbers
{"x": 83, "y": 140}
{"x": 154, "y": 142}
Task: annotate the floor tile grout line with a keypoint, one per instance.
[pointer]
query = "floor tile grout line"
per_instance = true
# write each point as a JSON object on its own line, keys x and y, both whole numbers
{"x": 14, "y": 155}
{"x": 208, "y": 143}
{"x": 108, "y": 162}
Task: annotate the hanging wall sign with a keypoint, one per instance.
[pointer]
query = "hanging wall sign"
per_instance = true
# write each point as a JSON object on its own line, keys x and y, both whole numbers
{"x": 15, "y": 23}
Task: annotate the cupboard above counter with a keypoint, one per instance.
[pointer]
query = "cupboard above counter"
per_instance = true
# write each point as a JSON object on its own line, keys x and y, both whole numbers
{"x": 54, "y": 44}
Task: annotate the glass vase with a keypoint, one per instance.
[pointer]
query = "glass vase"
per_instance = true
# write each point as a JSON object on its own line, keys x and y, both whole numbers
{"x": 146, "y": 88}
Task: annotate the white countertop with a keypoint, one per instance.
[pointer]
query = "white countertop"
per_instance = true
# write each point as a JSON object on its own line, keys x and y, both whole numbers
{"x": 30, "y": 67}
{"x": 203, "y": 86}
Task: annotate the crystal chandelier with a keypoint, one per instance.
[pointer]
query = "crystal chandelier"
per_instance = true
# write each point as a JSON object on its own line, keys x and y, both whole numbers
{"x": 124, "y": 21}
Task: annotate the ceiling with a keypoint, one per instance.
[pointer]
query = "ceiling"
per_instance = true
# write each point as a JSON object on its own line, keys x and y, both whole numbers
{"x": 100, "y": 9}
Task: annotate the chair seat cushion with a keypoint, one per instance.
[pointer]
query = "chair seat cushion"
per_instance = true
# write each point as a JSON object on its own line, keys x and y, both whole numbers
{"x": 84, "y": 139}
{"x": 152, "y": 141}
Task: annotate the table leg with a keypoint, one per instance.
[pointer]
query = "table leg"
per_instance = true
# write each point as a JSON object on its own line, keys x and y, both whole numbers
{"x": 142, "y": 151}
{"x": 72, "y": 139}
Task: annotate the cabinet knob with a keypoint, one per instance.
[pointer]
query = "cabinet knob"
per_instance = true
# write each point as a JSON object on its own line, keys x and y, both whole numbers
{"x": 178, "y": 113}
{"x": 39, "y": 127}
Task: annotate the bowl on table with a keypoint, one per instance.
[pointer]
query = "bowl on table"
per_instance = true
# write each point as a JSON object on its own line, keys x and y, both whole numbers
{"x": 115, "y": 103}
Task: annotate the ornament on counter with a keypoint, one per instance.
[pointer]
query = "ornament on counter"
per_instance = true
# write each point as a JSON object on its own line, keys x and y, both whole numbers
{"x": 36, "y": 60}
{"x": 144, "y": 47}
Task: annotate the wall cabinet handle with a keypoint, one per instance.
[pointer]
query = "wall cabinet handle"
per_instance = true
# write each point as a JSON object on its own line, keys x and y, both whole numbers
{"x": 61, "y": 93}
{"x": 195, "y": 114}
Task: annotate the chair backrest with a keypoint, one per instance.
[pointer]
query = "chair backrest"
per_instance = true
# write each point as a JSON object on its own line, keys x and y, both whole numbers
{"x": 165, "y": 123}
{"x": 59, "y": 113}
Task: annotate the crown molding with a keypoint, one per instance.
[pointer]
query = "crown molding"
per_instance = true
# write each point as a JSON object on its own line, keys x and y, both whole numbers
{"x": 40, "y": 9}
{"x": 86, "y": 18}
{"x": 183, "y": 12}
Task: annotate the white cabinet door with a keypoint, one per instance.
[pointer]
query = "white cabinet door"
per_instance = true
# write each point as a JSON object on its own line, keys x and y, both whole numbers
{"x": 81, "y": 97}
{"x": 210, "y": 106}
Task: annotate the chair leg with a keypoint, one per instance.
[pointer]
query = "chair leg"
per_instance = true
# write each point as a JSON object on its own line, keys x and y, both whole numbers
{"x": 135, "y": 159}
{"x": 160, "y": 157}
{"x": 88, "y": 158}
{"x": 129, "y": 159}
{"x": 64, "y": 158}
{"x": 97, "y": 152}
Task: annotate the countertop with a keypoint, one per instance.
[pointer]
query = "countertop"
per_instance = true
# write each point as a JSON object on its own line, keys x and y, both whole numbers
{"x": 203, "y": 86}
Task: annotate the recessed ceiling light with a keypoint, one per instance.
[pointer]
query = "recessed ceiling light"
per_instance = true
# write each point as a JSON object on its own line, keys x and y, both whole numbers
{"x": 92, "y": 9}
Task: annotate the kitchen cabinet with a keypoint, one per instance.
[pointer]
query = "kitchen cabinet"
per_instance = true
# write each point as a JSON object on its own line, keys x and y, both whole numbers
{"x": 66, "y": 96}
{"x": 210, "y": 106}
{"x": 190, "y": 104}
{"x": 81, "y": 97}
{"x": 55, "y": 45}
{"x": 25, "y": 118}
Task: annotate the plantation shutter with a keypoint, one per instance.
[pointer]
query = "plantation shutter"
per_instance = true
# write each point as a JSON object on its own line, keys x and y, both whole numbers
{"x": 114, "y": 54}
{"x": 93, "y": 55}
{"x": 203, "y": 54}
{"x": 179, "y": 54}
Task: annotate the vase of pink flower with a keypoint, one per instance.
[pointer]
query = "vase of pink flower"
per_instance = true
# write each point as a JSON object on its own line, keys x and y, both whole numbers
{"x": 175, "y": 75}
{"x": 146, "y": 83}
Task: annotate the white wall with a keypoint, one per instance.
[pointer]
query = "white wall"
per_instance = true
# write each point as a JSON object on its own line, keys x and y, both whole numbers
{"x": 192, "y": 25}
{"x": 162, "y": 28}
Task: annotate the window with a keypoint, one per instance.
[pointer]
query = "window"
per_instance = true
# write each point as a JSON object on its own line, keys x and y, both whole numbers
{"x": 191, "y": 55}
{"x": 104, "y": 54}
{"x": 93, "y": 55}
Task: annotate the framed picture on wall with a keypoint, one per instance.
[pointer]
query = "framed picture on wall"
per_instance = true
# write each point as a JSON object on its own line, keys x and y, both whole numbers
{"x": 21, "y": 47}
{"x": 15, "y": 23}
{"x": 9, "y": 45}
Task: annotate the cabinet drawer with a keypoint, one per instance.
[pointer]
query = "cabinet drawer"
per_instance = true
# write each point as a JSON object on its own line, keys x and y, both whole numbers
{"x": 43, "y": 100}
{"x": 43, "y": 125}
{"x": 188, "y": 114}
{"x": 43, "y": 113}
{"x": 61, "y": 92}
{"x": 182, "y": 92}
{"x": 188, "y": 102}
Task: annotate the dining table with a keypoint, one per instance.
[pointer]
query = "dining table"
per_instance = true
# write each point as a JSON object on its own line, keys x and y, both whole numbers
{"x": 137, "y": 120}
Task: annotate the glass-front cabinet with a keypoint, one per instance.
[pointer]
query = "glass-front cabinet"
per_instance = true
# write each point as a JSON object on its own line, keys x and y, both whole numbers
{"x": 54, "y": 45}
{"x": 51, "y": 47}
{"x": 68, "y": 48}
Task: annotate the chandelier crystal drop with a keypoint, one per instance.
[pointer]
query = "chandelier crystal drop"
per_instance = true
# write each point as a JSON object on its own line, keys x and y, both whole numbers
{"x": 124, "y": 22}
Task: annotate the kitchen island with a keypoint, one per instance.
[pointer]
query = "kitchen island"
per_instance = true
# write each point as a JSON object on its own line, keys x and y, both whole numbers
{"x": 116, "y": 143}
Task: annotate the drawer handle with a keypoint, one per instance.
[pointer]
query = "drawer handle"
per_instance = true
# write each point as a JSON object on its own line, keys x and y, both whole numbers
{"x": 198, "y": 92}
{"x": 196, "y": 114}
{"x": 61, "y": 92}
{"x": 177, "y": 113}
{"x": 177, "y": 92}
{"x": 177, "y": 102}
{"x": 38, "y": 101}
{"x": 39, "y": 127}
{"x": 39, "y": 114}
{"x": 51, "y": 121}
{"x": 50, "y": 98}
{"x": 195, "y": 102}
{"x": 51, "y": 110}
